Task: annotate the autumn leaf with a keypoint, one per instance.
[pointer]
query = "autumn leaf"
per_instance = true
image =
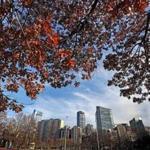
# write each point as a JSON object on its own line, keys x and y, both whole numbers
{"x": 64, "y": 53}
{"x": 16, "y": 55}
{"x": 32, "y": 53}
{"x": 46, "y": 27}
{"x": 34, "y": 42}
{"x": 26, "y": 2}
{"x": 45, "y": 74}
{"x": 13, "y": 87}
{"x": 55, "y": 39}
{"x": 71, "y": 63}
{"x": 140, "y": 5}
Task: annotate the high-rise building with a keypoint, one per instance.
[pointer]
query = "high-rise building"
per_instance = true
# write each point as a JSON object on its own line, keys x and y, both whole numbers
{"x": 89, "y": 129}
{"x": 76, "y": 134}
{"x": 104, "y": 119}
{"x": 48, "y": 129}
{"x": 137, "y": 126}
{"x": 81, "y": 119}
{"x": 40, "y": 129}
{"x": 37, "y": 115}
{"x": 65, "y": 133}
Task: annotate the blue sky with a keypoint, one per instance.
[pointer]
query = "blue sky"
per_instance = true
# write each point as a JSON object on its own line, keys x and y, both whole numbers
{"x": 59, "y": 103}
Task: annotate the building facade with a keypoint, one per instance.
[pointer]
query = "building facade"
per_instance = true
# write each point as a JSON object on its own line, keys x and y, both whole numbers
{"x": 122, "y": 132}
{"x": 65, "y": 133}
{"x": 76, "y": 135}
{"x": 147, "y": 129}
{"x": 104, "y": 119}
{"x": 137, "y": 126}
{"x": 48, "y": 129}
{"x": 89, "y": 129}
{"x": 81, "y": 119}
{"x": 40, "y": 129}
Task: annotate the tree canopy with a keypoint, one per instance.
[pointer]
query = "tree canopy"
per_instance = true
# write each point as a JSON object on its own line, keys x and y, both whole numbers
{"x": 46, "y": 41}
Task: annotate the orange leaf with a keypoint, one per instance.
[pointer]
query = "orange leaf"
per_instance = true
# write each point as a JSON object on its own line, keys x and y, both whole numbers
{"x": 46, "y": 27}
{"x": 71, "y": 63}
{"x": 64, "y": 53}
{"x": 45, "y": 74}
{"x": 16, "y": 55}
{"x": 34, "y": 42}
{"x": 55, "y": 39}
{"x": 142, "y": 5}
{"x": 26, "y": 2}
{"x": 109, "y": 8}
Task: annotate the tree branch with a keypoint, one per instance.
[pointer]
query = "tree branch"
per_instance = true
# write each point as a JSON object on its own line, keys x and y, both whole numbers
{"x": 146, "y": 28}
{"x": 82, "y": 22}
{"x": 146, "y": 45}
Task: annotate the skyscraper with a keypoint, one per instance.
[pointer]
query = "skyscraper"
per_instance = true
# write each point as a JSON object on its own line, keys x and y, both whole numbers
{"x": 104, "y": 119}
{"x": 81, "y": 119}
{"x": 37, "y": 115}
{"x": 137, "y": 126}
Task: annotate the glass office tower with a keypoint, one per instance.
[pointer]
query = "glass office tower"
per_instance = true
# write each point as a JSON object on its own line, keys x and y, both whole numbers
{"x": 104, "y": 119}
{"x": 81, "y": 119}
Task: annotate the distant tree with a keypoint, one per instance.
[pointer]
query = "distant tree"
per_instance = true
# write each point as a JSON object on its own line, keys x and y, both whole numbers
{"x": 139, "y": 144}
{"x": 21, "y": 131}
{"x": 53, "y": 41}
{"x": 3, "y": 117}
{"x": 3, "y": 120}
{"x": 142, "y": 143}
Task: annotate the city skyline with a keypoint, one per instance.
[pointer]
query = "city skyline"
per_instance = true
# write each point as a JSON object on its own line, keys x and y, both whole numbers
{"x": 75, "y": 75}
{"x": 108, "y": 113}
{"x": 59, "y": 103}
{"x": 51, "y": 129}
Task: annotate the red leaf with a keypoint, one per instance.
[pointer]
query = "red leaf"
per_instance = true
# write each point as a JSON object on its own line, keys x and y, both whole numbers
{"x": 71, "y": 63}
{"x": 64, "y": 53}
{"x": 55, "y": 39}
{"x": 46, "y": 27}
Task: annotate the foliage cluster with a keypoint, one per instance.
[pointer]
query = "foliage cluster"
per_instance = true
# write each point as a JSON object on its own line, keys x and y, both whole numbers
{"x": 53, "y": 41}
